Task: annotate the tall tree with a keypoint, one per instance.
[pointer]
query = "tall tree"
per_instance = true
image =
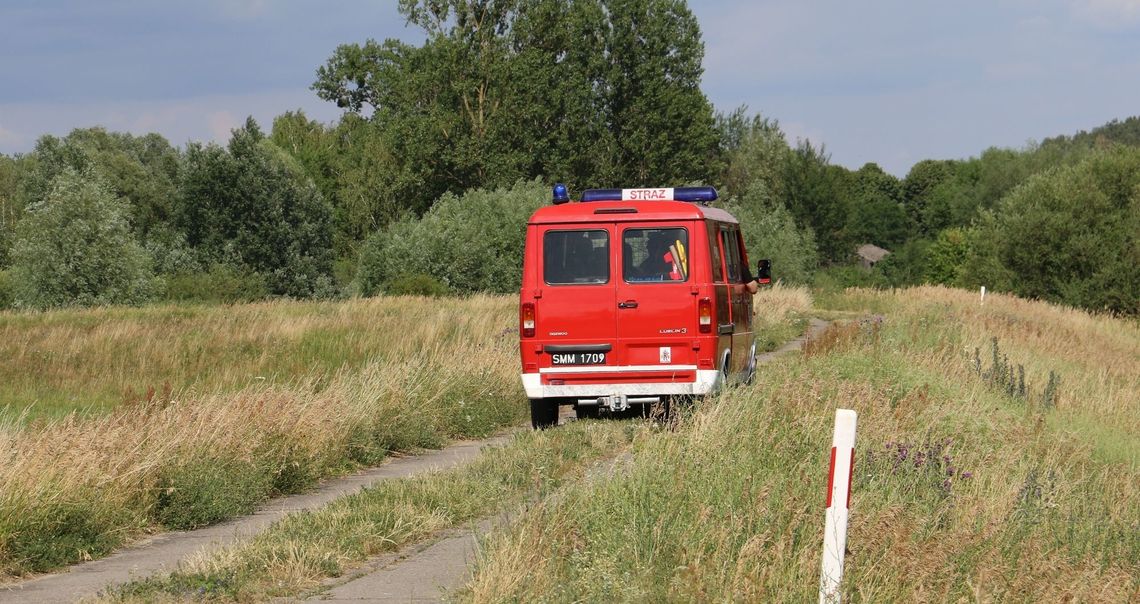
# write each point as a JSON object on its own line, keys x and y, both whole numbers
{"x": 919, "y": 185}
{"x": 250, "y": 204}
{"x": 663, "y": 124}
{"x": 755, "y": 150}
{"x": 816, "y": 196}
{"x": 877, "y": 216}
{"x": 589, "y": 91}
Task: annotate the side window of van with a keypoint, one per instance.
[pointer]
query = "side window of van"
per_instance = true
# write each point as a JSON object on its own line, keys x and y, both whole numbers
{"x": 714, "y": 254}
{"x": 731, "y": 254}
{"x": 576, "y": 257}
{"x": 655, "y": 255}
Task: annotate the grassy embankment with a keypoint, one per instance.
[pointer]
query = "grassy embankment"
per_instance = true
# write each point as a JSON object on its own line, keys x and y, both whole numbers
{"x": 263, "y": 399}
{"x": 297, "y": 553}
{"x": 963, "y": 491}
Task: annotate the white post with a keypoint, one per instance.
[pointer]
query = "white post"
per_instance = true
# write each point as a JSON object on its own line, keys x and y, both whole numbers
{"x": 838, "y": 499}
{"x": 983, "y": 299}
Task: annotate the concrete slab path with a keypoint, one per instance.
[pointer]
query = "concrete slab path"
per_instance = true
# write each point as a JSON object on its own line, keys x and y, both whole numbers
{"x": 162, "y": 552}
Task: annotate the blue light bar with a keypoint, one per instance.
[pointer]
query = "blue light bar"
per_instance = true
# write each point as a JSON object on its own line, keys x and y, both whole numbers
{"x": 601, "y": 195}
{"x": 698, "y": 194}
{"x": 561, "y": 195}
{"x": 694, "y": 194}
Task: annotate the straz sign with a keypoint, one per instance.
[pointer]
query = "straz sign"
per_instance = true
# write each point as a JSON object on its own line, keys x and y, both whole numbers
{"x": 664, "y": 194}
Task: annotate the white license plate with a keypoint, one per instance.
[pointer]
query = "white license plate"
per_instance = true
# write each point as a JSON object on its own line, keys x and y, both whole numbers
{"x": 577, "y": 358}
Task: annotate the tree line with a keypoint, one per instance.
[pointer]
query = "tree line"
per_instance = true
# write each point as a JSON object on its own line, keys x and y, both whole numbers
{"x": 445, "y": 147}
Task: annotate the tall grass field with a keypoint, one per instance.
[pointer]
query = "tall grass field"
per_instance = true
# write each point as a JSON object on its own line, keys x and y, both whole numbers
{"x": 997, "y": 460}
{"x": 122, "y": 422}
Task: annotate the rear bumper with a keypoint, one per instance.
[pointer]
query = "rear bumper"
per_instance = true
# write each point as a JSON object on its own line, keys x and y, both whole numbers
{"x": 632, "y": 381}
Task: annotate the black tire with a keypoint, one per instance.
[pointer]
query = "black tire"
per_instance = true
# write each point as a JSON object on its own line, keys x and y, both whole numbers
{"x": 750, "y": 376}
{"x": 588, "y": 411}
{"x": 543, "y": 413}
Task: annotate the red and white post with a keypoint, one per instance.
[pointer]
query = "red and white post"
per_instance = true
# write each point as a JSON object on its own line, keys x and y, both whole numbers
{"x": 838, "y": 502}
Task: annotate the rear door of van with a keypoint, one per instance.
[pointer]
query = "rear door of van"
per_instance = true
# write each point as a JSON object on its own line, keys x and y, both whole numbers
{"x": 576, "y": 307}
{"x": 656, "y": 294}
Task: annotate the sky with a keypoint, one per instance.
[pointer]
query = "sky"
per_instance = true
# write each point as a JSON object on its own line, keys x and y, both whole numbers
{"x": 885, "y": 81}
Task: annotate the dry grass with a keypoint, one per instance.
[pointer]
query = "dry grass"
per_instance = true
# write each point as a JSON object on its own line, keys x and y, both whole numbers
{"x": 79, "y": 486}
{"x": 1010, "y": 502}
{"x": 780, "y": 314}
{"x": 60, "y": 361}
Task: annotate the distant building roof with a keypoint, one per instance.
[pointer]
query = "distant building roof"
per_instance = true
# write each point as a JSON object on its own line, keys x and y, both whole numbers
{"x": 872, "y": 253}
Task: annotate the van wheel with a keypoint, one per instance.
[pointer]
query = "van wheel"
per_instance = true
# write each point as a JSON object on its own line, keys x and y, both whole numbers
{"x": 543, "y": 413}
{"x": 588, "y": 411}
{"x": 751, "y": 373}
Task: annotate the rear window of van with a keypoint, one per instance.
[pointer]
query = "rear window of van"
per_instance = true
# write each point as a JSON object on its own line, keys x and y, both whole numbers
{"x": 576, "y": 257}
{"x": 655, "y": 255}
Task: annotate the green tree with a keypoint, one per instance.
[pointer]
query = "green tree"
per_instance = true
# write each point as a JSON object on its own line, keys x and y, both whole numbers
{"x": 141, "y": 169}
{"x": 75, "y": 247}
{"x": 11, "y": 204}
{"x": 587, "y": 92}
{"x": 918, "y": 186}
{"x": 770, "y": 231}
{"x": 1070, "y": 235}
{"x": 754, "y": 150}
{"x": 816, "y": 196}
{"x": 877, "y": 216}
{"x": 251, "y": 205}
{"x": 661, "y": 121}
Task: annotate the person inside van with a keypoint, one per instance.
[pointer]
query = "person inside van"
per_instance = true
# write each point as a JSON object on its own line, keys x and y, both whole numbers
{"x": 660, "y": 262}
{"x": 751, "y": 285}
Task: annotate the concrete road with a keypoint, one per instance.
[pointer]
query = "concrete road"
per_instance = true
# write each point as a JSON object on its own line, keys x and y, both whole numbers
{"x": 162, "y": 553}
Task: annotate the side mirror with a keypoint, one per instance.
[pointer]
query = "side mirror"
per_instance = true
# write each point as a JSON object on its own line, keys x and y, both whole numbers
{"x": 764, "y": 271}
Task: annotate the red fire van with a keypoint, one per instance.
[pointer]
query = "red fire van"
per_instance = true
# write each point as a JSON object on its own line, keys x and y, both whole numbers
{"x": 631, "y": 297}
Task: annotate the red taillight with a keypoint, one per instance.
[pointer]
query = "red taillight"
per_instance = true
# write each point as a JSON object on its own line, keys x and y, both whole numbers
{"x": 704, "y": 311}
{"x": 526, "y": 319}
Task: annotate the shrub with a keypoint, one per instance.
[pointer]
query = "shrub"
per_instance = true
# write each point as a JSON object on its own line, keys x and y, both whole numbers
{"x": 946, "y": 257}
{"x": 468, "y": 243}
{"x": 907, "y": 265}
{"x": 75, "y": 248}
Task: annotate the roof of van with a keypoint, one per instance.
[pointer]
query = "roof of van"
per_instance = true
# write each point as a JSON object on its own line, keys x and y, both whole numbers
{"x": 611, "y": 211}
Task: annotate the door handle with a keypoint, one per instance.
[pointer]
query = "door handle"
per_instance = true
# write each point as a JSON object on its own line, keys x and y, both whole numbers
{"x": 628, "y": 304}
